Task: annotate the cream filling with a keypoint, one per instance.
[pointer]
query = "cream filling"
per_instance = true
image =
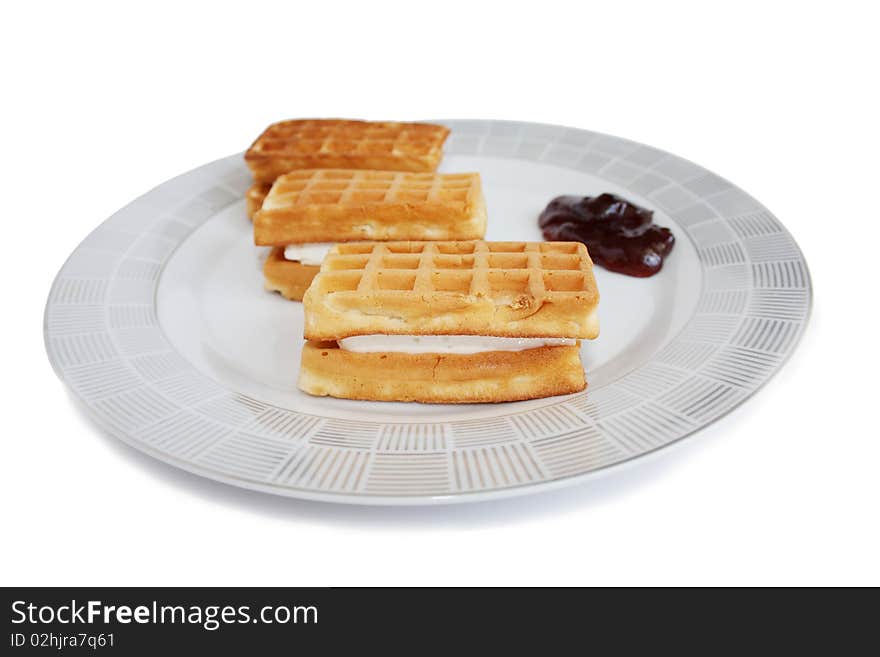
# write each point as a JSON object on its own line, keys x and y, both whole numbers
{"x": 446, "y": 344}
{"x": 311, "y": 253}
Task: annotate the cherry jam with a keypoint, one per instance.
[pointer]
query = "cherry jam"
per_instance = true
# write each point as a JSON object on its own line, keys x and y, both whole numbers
{"x": 619, "y": 235}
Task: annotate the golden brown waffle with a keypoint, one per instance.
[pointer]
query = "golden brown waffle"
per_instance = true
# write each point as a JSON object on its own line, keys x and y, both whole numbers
{"x": 338, "y": 205}
{"x": 494, "y": 376}
{"x": 345, "y": 144}
{"x": 255, "y": 196}
{"x": 507, "y": 289}
{"x": 291, "y": 279}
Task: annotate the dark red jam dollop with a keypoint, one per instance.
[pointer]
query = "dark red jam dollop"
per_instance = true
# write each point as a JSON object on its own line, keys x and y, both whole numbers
{"x": 619, "y": 235}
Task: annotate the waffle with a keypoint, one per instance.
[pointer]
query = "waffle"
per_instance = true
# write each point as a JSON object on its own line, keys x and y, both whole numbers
{"x": 291, "y": 279}
{"x": 255, "y": 196}
{"x": 337, "y": 143}
{"x": 506, "y": 289}
{"x": 494, "y": 376}
{"x": 330, "y": 205}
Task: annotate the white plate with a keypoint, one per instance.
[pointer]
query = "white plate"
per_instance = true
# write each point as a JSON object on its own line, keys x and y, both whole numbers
{"x": 159, "y": 323}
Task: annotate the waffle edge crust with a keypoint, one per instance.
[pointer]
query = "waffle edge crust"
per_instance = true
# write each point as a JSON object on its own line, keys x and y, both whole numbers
{"x": 345, "y": 144}
{"x": 291, "y": 279}
{"x": 254, "y": 198}
{"x": 488, "y": 377}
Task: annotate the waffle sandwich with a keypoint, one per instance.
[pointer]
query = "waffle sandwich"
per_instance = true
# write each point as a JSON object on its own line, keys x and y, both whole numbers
{"x": 345, "y": 144}
{"x": 449, "y": 321}
{"x": 307, "y": 210}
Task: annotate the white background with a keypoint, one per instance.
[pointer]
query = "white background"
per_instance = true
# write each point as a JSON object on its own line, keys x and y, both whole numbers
{"x": 103, "y": 102}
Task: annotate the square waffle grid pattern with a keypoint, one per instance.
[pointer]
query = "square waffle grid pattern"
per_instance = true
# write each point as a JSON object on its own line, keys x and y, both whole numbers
{"x": 500, "y": 271}
{"x": 363, "y": 144}
{"x": 755, "y": 279}
{"x": 364, "y": 187}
